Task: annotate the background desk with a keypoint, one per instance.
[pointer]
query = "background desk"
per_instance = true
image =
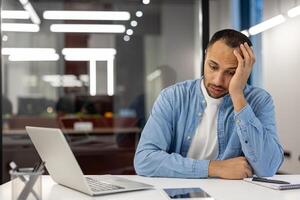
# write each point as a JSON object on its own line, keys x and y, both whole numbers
{"x": 219, "y": 189}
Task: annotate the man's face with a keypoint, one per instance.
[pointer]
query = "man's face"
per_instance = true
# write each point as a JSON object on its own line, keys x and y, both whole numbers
{"x": 219, "y": 67}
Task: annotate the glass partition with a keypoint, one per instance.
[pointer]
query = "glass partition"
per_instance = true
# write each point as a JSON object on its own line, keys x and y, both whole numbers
{"x": 93, "y": 69}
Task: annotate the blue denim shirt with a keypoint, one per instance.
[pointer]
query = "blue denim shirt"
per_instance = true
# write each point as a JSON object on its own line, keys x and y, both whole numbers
{"x": 167, "y": 136}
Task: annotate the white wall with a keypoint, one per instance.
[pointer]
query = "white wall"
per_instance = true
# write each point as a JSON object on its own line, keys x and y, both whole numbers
{"x": 281, "y": 60}
{"x": 220, "y": 15}
{"x": 174, "y": 48}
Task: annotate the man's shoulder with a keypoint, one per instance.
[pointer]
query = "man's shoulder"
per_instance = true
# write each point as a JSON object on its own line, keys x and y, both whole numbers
{"x": 184, "y": 86}
{"x": 253, "y": 92}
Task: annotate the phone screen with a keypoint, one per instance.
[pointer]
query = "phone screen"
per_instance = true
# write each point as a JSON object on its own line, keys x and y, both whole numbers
{"x": 184, "y": 193}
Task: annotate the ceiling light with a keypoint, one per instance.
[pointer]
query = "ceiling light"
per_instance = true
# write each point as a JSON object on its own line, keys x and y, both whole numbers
{"x": 126, "y": 38}
{"x": 245, "y": 32}
{"x": 23, "y": 2}
{"x": 30, "y": 54}
{"x": 94, "y": 51}
{"x": 88, "y": 28}
{"x": 133, "y": 23}
{"x": 14, "y": 14}
{"x": 4, "y": 38}
{"x": 19, "y": 27}
{"x": 139, "y": 13}
{"x": 34, "y": 57}
{"x": 33, "y": 16}
{"x": 294, "y": 11}
{"x": 87, "y": 54}
{"x": 146, "y": 2}
{"x": 266, "y": 24}
{"x": 154, "y": 75}
{"x": 129, "y": 32}
{"x": 87, "y": 15}
{"x": 87, "y": 58}
{"x": 21, "y": 51}
{"x": 110, "y": 77}
{"x": 92, "y": 71}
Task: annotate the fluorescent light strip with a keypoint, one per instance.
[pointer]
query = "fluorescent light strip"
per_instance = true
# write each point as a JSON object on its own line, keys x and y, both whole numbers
{"x": 92, "y": 77}
{"x": 19, "y": 27}
{"x": 90, "y": 51}
{"x": 294, "y": 12}
{"x": 21, "y": 51}
{"x": 34, "y": 57}
{"x": 87, "y": 15}
{"x": 266, "y": 25}
{"x": 154, "y": 75}
{"x": 62, "y": 80}
{"x": 88, "y": 28}
{"x": 87, "y": 58}
{"x": 245, "y": 32}
{"x": 110, "y": 77}
{"x": 33, "y": 16}
{"x": 146, "y": 2}
{"x": 14, "y": 14}
{"x": 87, "y": 54}
{"x": 24, "y": 2}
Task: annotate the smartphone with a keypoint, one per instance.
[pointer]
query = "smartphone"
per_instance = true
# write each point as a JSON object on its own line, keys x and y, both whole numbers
{"x": 187, "y": 193}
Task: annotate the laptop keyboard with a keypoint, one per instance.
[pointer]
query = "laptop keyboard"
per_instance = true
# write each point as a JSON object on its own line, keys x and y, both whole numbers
{"x": 99, "y": 185}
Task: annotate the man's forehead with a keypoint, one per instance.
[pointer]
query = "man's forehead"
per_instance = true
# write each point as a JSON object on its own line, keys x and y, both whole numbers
{"x": 221, "y": 54}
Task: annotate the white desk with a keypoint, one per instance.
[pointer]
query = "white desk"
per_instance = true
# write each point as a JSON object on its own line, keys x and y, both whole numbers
{"x": 219, "y": 189}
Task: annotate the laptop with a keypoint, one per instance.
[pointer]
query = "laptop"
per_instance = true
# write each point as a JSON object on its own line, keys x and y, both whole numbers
{"x": 62, "y": 166}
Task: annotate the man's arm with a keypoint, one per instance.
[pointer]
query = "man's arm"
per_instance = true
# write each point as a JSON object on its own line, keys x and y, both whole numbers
{"x": 258, "y": 137}
{"x": 152, "y": 156}
{"x": 257, "y": 133}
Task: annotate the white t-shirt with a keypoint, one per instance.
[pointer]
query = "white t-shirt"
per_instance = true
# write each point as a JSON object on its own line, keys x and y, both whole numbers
{"x": 205, "y": 142}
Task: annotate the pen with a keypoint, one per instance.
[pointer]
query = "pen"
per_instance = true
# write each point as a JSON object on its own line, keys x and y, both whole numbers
{"x": 260, "y": 179}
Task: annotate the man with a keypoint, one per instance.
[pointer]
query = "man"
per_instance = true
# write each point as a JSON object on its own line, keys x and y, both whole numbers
{"x": 217, "y": 126}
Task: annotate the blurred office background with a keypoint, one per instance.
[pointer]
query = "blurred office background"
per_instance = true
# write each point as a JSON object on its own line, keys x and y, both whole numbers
{"x": 95, "y": 74}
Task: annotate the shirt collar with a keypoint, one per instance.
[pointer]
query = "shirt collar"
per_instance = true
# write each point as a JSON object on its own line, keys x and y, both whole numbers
{"x": 209, "y": 99}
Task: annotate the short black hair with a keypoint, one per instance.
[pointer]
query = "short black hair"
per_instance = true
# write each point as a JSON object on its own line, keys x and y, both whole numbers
{"x": 232, "y": 38}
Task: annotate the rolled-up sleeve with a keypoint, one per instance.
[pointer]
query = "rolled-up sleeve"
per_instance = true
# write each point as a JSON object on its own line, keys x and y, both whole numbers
{"x": 258, "y": 136}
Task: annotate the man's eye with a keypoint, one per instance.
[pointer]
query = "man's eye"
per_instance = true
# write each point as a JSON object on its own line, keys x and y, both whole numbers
{"x": 213, "y": 67}
{"x": 231, "y": 73}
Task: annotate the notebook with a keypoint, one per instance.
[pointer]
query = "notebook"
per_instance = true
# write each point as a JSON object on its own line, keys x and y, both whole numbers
{"x": 294, "y": 181}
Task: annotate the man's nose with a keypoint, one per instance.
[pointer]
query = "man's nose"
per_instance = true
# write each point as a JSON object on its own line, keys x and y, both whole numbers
{"x": 219, "y": 79}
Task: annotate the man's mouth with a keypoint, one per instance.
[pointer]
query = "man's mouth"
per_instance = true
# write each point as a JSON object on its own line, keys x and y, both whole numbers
{"x": 216, "y": 91}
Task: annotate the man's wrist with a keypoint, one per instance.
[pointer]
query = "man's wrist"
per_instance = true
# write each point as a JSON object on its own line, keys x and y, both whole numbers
{"x": 213, "y": 170}
{"x": 239, "y": 101}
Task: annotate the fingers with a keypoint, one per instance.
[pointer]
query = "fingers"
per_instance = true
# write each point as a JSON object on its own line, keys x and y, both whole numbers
{"x": 247, "y": 58}
{"x": 246, "y": 168}
{"x": 248, "y": 171}
{"x": 239, "y": 58}
{"x": 250, "y": 51}
{"x": 248, "y": 54}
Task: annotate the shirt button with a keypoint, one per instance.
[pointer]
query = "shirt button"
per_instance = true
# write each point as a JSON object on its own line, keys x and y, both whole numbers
{"x": 238, "y": 121}
{"x": 203, "y": 102}
{"x": 199, "y": 114}
{"x": 246, "y": 141}
{"x": 188, "y": 138}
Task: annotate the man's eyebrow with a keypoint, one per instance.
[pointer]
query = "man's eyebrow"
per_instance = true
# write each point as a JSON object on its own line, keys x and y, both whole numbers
{"x": 213, "y": 62}
{"x": 231, "y": 68}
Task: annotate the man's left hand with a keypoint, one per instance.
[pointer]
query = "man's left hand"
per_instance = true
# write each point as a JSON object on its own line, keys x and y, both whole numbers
{"x": 246, "y": 59}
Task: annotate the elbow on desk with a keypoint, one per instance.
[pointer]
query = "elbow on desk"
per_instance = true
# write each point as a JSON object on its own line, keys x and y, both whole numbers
{"x": 141, "y": 169}
{"x": 271, "y": 168}
{"x": 142, "y": 166}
